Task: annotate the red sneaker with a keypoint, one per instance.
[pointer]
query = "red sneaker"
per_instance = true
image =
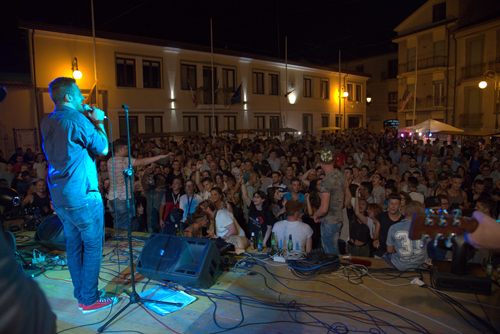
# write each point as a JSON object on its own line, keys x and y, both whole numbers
{"x": 102, "y": 293}
{"x": 100, "y": 304}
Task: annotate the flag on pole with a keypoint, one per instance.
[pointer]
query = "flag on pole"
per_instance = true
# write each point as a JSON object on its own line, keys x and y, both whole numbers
{"x": 405, "y": 99}
{"x": 88, "y": 99}
{"x": 236, "y": 96}
{"x": 288, "y": 93}
{"x": 193, "y": 96}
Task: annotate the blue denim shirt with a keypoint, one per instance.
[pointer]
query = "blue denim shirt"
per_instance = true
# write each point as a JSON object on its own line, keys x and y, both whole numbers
{"x": 71, "y": 144}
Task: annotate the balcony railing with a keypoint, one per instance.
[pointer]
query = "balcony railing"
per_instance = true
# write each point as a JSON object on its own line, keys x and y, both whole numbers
{"x": 471, "y": 120}
{"x": 429, "y": 102}
{"x": 437, "y": 61}
{"x": 477, "y": 70}
{"x": 222, "y": 96}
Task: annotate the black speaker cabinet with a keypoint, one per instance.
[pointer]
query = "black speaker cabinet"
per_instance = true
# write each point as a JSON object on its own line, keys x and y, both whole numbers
{"x": 50, "y": 233}
{"x": 187, "y": 261}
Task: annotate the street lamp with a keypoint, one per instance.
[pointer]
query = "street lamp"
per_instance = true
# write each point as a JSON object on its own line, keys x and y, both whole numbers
{"x": 368, "y": 100}
{"x": 74, "y": 67}
{"x": 493, "y": 76}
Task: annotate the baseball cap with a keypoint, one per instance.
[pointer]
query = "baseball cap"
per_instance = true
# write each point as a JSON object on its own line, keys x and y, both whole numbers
{"x": 326, "y": 156}
{"x": 293, "y": 205}
{"x": 433, "y": 201}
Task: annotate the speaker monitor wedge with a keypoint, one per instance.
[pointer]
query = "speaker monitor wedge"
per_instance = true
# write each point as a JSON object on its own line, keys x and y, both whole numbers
{"x": 50, "y": 233}
{"x": 187, "y": 261}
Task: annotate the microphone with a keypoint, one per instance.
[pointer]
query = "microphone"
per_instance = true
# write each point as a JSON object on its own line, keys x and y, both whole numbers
{"x": 86, "y": 107}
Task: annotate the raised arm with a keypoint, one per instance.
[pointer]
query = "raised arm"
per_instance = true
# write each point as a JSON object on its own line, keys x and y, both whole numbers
{"x": 244, "y": 191}
{"x": 149, "y": 160}
{"x": 197, "y": 175}
{"x": 305, "y": 176}
{"x": 361, "y": 217}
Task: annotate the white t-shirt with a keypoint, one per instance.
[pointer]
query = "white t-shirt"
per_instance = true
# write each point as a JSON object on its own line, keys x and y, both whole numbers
{"x": 300, "y": 233}
{"x": 417, "y": 197}
{"x": 189, "y": 204}
{"x": 224, "y": 218}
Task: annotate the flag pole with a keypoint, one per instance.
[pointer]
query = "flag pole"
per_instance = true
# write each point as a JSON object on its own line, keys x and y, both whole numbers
{"x": 415, "y": 89}
{"x": 286, "y": 85}
{"x": 95, "y": 58}
{"x": 212, "y": 83}
{"x": 340, "y": 93}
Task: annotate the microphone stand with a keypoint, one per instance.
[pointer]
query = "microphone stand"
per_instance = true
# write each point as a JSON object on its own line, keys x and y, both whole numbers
{"x": 128, "y": 174}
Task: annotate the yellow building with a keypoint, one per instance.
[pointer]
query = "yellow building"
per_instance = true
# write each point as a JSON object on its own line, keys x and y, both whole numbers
{"x": 446, "y": 48}
{"x": 154, "y": 78}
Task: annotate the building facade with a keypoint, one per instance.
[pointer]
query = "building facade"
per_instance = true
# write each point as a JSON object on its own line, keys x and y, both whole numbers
{"x": 169, "y": 87}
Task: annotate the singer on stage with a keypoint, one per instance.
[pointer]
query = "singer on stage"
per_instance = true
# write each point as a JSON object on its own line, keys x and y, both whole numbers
{"x": 71, "y": 142}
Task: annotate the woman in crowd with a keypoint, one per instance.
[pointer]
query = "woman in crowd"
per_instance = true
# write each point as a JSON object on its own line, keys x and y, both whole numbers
{"x": 276, "y": 204}
{"x": 197, "y": 223}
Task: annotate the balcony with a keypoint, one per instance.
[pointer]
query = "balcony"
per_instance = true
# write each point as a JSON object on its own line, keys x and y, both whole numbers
{"x": 424, "y": 63}
{"x": 477, "y": 70}
{"x": 471, "y": 120}
{"x": 426, "y": 103}
{"x": 222, "y": 96}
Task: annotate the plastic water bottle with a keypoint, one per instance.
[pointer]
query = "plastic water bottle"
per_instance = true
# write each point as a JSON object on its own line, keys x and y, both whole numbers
{"x": 273, "y": 243}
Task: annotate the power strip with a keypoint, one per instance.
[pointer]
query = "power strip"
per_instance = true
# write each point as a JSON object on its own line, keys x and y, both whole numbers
{"x": 279, "y": 259}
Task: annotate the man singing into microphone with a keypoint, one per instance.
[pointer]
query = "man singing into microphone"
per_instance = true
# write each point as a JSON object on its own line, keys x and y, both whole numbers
{"x": 71, "y": 142}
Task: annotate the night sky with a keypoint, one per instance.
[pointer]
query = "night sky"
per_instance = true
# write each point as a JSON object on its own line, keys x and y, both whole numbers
{"x": 316, "y": 30}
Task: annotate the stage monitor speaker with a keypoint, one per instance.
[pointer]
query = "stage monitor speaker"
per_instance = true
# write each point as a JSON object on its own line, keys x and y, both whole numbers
{"x": 50, "y": 233}
{"x": 187, "y": 261}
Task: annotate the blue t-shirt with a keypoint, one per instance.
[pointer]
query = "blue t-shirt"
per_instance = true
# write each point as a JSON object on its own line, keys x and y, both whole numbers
{"x": 71, "y": 143}
{"x": 408, "y": 254}
{"x": 288, "y": 196}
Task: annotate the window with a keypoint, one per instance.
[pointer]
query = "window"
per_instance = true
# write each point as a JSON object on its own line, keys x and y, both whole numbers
{"x": 307, "y": 87}
{"x": 190, "y": 123}
{"x": 273, "y": 84}
{"x": 133, "y": 123}
{"x": 472, "y": 100}
{"x": 409, "y": 122}
{"x": 258, "y": 83}
{"x": 208, "y": 83}
{"x": 125, "y": 72}
{"x": 259, "y": 123}
{"x": 153, "y": 124}
{"x": 209, "y": 125}
{"x": 392, "y": 68}
{"x": 438, "y": 89}
{"x": 354, "y": 122}
{"x": 324, "y": 89}
{"x": 274, "y": 123}
{"x": 325, "y": 121}
{"x": 307, "y": 126}
{"x": 411, "y": 59}
{"x": 439, "y": 53}
{"x": 475, "y": 57}
{"x": 350, "y": 95}
{"x": 188, "y": 77}
{"x": 151, "y": 74}
{"x": 360, "y": 68}
{"x": 439, "y": 12}
{"x": 229, "y": 122}
{"x": 393, "y": 98}
{"x": 411, "y": 89}
{"x": 393, "y": 109}
{"x": 359, "y": 94}
{"x": 337, "y": 122}
{"x": 228, "y": 79}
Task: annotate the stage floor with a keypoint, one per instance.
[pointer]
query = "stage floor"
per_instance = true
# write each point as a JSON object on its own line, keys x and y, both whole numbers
{"x": 272, "y": 301}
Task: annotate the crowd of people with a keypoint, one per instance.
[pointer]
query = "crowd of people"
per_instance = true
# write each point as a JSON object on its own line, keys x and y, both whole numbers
{"x": 235, "y": 189}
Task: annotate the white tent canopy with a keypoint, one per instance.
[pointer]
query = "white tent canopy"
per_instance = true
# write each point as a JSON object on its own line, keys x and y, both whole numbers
{"x": 430, "y": 125}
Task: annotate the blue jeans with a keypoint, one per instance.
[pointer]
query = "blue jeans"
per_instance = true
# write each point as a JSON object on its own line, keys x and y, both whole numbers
{"x": 120, "y": 216}
{"x": 84, "y": 230}
{"x": 330, "y": 237}
{"x": 387, "y": 258}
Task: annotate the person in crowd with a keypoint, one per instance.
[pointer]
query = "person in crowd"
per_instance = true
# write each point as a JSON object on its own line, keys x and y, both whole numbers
{"x": 39, "y": 199}
{"x": 189, "y": 201}
{"x": 40, "y": 167}
{"x": 260, "y": 217}
{"x": 301, "y": 233}
{"x": 412, "y": 190}
{"x": 276, "y": 202}
{"x": 330, "y": 214}
{"x": 170, "y": 201}
{"x": 217, "y": 197}
{"x": 402, "y": 252}
{"x": 456, "y": 194}
{"x": 154, "y": 194}
{"x": 197, "y": 224}
{"x": 359, "y": 228}
{"x": 276, "y": 178}
{"x": 383, "y": 221}
{"x": 295, "y": 192}
{"x": 378, "y": 191}
{"x": 9, "y": 174}
{"x": 118, "y": 197}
